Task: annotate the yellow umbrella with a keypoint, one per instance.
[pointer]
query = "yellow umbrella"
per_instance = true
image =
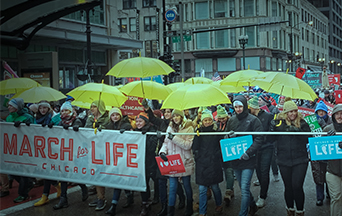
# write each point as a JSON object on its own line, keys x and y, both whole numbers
{"x": 146, "y": 89}
{"x": 240, "y": 78}
{"x": 140, "y": 67}
{"x": 15, "y": 85}
{"x": 86, "y": 105}
{"x": 177, "y": 85}
{"x": 228, "y": 88}
{"x": 284, "y": 84}
{"x": 198, "y": 80}
{"x": 36, "y": 94}
{"x": 84, "y": 95}
{"x": 191, "y": 96}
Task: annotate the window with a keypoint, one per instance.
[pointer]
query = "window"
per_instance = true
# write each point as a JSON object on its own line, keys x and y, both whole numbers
{"x": 317, "y": 40}
{"x": 249, "y": 8}
{"x": 95, "y": 17}
{"x": 132, "y": 24}
{"x": 275, "y": 39}
{"x": 251, "y": 36}
{"x": 268, "y": 63}
{"x": 206, "y": 65}
{"x": 274, "y": 9}
{"x": 150, "y": 23}
{"x": 129, "y": 4}
{"x": 232, "y": 37}
{"x": 221, "y": 39}
{"x": 313, "y": 38}
{"x": 151, "y": 49}
{"x": 232, "y": 8}
{"x": 149, "y": 3}
{"x": 123, "y": 25}
{"x": 220, "y": 8}
{"x": 202, "y": 40}
{"x": 202, "y": 10}
{"x": 226, "y": 64}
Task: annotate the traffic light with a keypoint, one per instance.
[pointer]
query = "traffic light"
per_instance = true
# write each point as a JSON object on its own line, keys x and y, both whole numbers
{"x": 176, "y": 67}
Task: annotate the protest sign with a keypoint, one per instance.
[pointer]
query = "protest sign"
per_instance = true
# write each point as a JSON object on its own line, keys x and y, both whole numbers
{"x": 107, "y": 158}
{"x": 313, "y": 123}
{"x": 132, "y": 106}
{"x": 325, "y": 148}
{"x": 173, "y": 165}
{"x": 233, "y": 148}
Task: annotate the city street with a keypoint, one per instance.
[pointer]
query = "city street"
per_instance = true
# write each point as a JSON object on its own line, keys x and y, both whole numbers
{"x": 275, "y": 203}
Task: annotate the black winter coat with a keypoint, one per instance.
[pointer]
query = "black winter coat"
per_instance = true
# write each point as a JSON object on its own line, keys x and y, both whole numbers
{"x": 122, "y": 124}
{"x": 265, "y": 119}
{"x": 208, "y": 157}
{"x": 246, "y": 122}
{"x": 291, "y": 150}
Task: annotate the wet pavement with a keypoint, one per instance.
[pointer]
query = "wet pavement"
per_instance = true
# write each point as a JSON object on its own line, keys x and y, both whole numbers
{"x": 275, "y": 204}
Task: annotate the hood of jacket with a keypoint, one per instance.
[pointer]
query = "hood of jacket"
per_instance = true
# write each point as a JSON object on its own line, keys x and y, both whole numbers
{"x": 245, "y": 111}
{"x": 321, "y": 106}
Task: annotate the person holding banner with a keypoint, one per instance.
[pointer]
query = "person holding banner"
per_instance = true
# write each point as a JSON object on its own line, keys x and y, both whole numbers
{"x": 319, "y": 168}
{"x": 244, "y": 167}
{"x": 292, "y": 156}
{"x": 334, "y": 168}
{"x": 208, "y": 160}
{"x": 179, "y": 144}
{"x": 97, "y": 120}
{"x": 117, "y": 122}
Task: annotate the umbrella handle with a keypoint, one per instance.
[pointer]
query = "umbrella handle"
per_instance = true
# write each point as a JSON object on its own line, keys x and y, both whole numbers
{"x": 142, "y": 88}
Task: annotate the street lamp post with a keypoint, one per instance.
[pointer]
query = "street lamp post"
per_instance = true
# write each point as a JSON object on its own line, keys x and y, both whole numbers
{"x": 243, "y": 40}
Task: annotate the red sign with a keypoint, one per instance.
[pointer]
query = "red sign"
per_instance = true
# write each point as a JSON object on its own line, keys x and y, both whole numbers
{"x": 334, "y": 79}
{"x": 300, "y": 72}
{"x": 132, "y": 106}
{"x": 265, "y": 108}
{"x": 173, "y": 165}
{"x": 338, "y": 96}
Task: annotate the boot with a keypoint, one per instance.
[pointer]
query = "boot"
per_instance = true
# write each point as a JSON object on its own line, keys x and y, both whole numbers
{"x": 171, "y": 211}
{"x": 145, "y": 208}
{"x": 228, "y": 196}
{"x": 181, "y": 203}
{"x": 42, "y": 201}
{"x": 300, "y": 213}
{"x": 129, "y": 201}
{"x": 63, "y": 203}
{"x": 84, "y": 194}
{"x": 290, "y": 212}
{"x": 189, "y": 210}
{"x": 163, "y": 211}
{"x": 112, "y": 210}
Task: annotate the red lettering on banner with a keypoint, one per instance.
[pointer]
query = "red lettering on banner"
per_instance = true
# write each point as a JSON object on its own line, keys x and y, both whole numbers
{"x": 107, "y": 153}
{"x": 44, "y": 166}
{"x": 53, "y": 167}
{"x": 93, "y": 159}
{"x": 117, "y": 154}
{"x": 10, "y": 147}
{"x": 25, "y": 147}
{"x": 66, "y": 168}
{"x": 39, "y": 148}
{"x": 84, "y": 171}
{"x": 131, "y": 155}
{"x": 67, "y": 149}
{"x": 92, "y": 172}
{"x": 52, "y": 140}
{"x": 75, "y": 169}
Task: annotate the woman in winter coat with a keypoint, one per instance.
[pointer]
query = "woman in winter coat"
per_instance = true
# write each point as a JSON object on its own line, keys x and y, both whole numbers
{"x": 334, "y": 168}
{"x": 117, "y": 122}
{"x": 208, "y": 160}
{"x": 292, "y": 156}
{"x": 97, "y": 120}
{"x": 69, "y": 119}
{"x": 180, "y": 144}
{"x": 319, "y": 168}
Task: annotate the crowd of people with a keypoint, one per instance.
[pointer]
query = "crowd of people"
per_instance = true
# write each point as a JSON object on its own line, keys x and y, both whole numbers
{"x": 201, "y": 155}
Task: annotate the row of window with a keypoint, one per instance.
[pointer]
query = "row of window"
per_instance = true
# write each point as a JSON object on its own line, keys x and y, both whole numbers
{"x": 150, "y": 24}
{"x": 314, "y": 39}
{"x": 335, "y": 53}
{"x": 318, "y": 25}
{"x": 132, "y": 4}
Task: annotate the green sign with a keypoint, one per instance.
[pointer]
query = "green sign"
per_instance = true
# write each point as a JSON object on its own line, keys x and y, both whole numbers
{"x": 177, "y": 39}
{"x": 313, "y": 123}
{"x": 187, "y": 37}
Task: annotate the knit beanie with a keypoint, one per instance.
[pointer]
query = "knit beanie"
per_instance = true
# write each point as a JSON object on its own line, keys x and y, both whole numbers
{"x": 253, "y": 102}
{"x": 34, "y": 108}
{"x": 66, "y": 106}
{"x": 237, "y": 103}
{"x": 143, "y": 116}
{"x": 206, "y": 114}
{"x": 265, "y": 98}
{"x": 14, "y": 103}
{"x": 115, "y": 110}
{"x": 44, "y": 104}
{"x": 178, "y": 112}
{"x": 221, "y": 112}
{"x": 289, "y": 105}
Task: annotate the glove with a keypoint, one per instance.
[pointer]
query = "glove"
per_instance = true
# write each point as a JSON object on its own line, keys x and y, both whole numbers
{"x": 272, "y": 125}
{"x": 28, "y": 123}
{"x": 17, "y": 123}
{"x": 99, "y": 129}
{"x": 244, "y": 156}
{"x": 75, "y": 128}
{"x": 122, "y": 130}
{"x": 97, "y": 125}
{"x": 321, "y": 122}
{"x": 66, "y": 127}
{"x": 159, "y": 134}
{"x": 331, "y": 133}
{"x": 43, "y": 125}
{"x": 145, "y": 104}
{"x": 231, "y": 134}
{"x": 163, "y": 156}
{"x": 143, "y": 132}
{"x": 50, "y": 125}
{"x": 170, "y": 136}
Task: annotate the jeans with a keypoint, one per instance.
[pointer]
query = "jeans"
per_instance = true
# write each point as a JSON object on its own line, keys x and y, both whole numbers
{"x": 174, "y": 186}
{"x": 116, "y": 195}
{"x": 293, "y": 178}
{"x": 25, "y": 183}
{"x": 264, "y": 160}
{"x": 229, "y": 175}
{"x": 320, "y": 191}
{"x": 203, "y": 197}
{"x": 274, "y": 164}
{"x": 47, "y": 186}
{"x": 244, "y": 178}
{"x": 335, "y": 190}
{"x": 163, "y": 190}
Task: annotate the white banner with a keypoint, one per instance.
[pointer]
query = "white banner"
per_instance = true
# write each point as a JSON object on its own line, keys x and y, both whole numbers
{"x": 107, "y": 158}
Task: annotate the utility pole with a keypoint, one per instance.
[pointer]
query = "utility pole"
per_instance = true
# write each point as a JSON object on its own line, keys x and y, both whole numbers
{"x": 88, "y": 31}
{"x": 181, "y": 37}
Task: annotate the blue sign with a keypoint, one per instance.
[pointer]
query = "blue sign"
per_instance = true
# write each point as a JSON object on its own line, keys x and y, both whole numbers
{"x": 170, "y": 15}
{"x": 325, "y": 148}
{"x": 233, "y": 148}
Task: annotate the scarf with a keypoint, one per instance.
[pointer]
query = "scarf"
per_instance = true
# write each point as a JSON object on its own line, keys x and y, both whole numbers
{"x": 68, "y": 119}
{"x": 44, "y": 119}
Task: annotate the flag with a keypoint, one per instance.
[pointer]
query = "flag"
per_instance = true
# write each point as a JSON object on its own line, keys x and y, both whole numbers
{"x": 300, "y": 72}
{"x": 9, "y": 69}
{"x": 216, "y": 77}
